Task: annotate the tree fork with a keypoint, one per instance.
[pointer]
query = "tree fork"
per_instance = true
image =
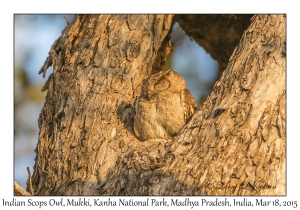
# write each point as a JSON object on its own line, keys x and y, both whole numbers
{"x": 233, "y": 145}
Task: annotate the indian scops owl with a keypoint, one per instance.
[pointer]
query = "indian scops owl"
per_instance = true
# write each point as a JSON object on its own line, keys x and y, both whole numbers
{"x": 164, "y": 106}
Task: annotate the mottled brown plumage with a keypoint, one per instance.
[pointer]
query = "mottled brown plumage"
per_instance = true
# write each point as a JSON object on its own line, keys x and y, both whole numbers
{"x": 164, "y": 106}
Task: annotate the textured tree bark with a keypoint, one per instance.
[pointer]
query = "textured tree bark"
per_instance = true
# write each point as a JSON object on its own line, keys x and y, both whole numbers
{"x": 233, "y": 145}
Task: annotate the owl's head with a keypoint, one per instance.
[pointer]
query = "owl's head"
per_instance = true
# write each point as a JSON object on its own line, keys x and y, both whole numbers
{"x": 162, "y": 81}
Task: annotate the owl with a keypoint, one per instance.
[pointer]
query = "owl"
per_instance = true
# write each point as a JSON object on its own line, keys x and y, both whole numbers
{"x": 164, "y": 106}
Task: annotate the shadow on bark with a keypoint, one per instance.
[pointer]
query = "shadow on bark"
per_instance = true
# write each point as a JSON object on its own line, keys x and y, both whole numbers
{"x": 125, "y": 113}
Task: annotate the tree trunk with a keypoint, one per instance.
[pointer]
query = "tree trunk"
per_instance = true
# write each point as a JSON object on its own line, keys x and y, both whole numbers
{"x": 234, "y": 144}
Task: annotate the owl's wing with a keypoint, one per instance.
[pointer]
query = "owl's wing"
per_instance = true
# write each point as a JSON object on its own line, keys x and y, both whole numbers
{"x": 189, "y": 103}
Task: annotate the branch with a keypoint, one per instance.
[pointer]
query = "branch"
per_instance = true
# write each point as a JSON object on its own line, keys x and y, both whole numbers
{"x": 18, "y": 190}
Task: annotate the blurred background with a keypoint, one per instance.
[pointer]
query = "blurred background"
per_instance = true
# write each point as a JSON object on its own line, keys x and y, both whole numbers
{"x": 33, "y": 38}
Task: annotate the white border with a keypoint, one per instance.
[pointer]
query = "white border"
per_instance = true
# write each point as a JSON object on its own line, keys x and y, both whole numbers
{"x": 270, "y": 6}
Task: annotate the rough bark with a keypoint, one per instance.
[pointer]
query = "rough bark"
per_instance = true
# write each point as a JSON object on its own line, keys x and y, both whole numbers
{"x": 86, "y": 142}
{"x": 235, "y": 144}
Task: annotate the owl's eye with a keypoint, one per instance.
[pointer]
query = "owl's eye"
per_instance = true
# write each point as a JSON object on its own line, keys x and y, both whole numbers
{"x": 162, "y": 85}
